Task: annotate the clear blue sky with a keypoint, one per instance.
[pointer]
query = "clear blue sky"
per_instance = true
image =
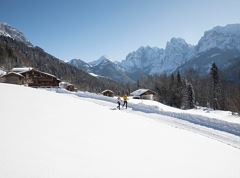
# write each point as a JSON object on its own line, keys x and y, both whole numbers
{"x": 87, "y": 29}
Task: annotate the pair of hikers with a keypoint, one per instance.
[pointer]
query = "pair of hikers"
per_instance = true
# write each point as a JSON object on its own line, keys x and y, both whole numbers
{"x": 125, "y": 98}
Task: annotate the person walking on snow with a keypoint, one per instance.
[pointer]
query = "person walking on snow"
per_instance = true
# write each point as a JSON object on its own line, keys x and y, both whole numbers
{"x": 125, "y": 98}
{"x": 119, "y": 102}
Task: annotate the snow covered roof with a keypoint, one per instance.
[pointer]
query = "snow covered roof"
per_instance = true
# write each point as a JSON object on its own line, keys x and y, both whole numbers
{"x": 140, "y": 92}
{"x": 107, "y": 91}
{"x": 48, "y": 74}
{"x": 21, "y": 69}
{"x": 13, "y": 73}
{"x": 26, "y": 69}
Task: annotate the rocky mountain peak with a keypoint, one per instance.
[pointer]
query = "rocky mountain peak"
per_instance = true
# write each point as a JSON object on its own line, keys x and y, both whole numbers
{"x": 102, "y": 60}
{"x": 9, "y": 31}
{"x": 221, "y": 37}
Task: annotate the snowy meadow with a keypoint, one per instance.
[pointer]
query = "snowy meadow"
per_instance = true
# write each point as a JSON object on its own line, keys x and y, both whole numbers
{"x": 49, "y": 134}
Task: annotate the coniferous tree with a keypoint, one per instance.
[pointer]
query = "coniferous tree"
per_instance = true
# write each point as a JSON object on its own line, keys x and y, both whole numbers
{"x": 179, "y": 79}
{"x": 138, "y": 84}
{"x": 178, "y": 91}
{"x": 215, "y": 87}
{"x": 171, "y": 92}
{"x": 189, "y": 97}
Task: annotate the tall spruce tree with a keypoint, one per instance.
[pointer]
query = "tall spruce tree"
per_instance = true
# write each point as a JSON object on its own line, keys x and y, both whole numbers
{"x": 138, "y": 84}
{"x": 178, "y": 91}
{"x": 189, "y": 97}
{"x": 172, "y": 91}
{"x": 215, "y": 87}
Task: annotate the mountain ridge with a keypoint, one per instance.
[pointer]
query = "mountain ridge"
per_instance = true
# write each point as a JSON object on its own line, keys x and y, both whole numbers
{"x": 221, "y": 45}
{"x": 103, "y": 67}
{"x": 178, "y": 54}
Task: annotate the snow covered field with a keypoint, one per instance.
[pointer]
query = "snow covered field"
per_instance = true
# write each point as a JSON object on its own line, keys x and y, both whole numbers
{"x": 47, "y": 134}
{"x": 219, "y": 125}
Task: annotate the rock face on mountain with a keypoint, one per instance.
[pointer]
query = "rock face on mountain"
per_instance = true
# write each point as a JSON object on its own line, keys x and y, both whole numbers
{"x": 80, "y": 64}
{"x": 142, "y": 59}
{"x": 156, "y": 61}
{"x": 177, "y": 53}
{"x": 104, "y": 68}
{"x": 224, "y": 38}
{"x": 220, "y": 45}
{"x": 202, "y": 62}
{"x": 8, "y": 31}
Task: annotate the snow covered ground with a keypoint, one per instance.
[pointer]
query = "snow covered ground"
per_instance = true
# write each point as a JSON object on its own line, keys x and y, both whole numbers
{"x": 219, "y": 125}
{"x": 47, "y": 134}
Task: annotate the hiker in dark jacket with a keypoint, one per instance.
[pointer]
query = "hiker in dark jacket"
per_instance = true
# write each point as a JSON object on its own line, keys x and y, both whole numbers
{"x": 119, "y": 102}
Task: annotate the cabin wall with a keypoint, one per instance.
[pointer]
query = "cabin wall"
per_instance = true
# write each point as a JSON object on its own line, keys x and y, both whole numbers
{"x": 148, "y": 97}
{"x": 38, "y": 79}
{"x": 108, "y": 94}
{"x": 13, "y": 80}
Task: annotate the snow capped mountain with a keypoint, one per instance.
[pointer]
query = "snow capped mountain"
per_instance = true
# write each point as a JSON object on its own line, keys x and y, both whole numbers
{"x": 227, "y": 37}
{"x": 8, "y": 31}
{"x": 156, "y": 60}
{"x": 101, "y": 61}
{"x": 142, "y": 59}
{"x": 80, "y": 64}
{"x": 176, "y": 53}
{"x": 103, "y": 67}
{"x": 202, "y": 62}
{"x": 220, "y": 45}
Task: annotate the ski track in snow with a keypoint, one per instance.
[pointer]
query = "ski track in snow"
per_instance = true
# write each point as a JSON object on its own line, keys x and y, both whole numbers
{"x": 223, "y": 131}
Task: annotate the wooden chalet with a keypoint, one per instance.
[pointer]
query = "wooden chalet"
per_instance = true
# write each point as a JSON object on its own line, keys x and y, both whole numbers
{"x": 36, "y": 78}
{"x": 109, "y": 93}
{"x": 143, "y": 94}
{"x": 13, "y": 78}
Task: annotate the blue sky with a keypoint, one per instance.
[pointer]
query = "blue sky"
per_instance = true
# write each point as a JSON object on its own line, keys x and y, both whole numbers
{"x": 88, "y": 29}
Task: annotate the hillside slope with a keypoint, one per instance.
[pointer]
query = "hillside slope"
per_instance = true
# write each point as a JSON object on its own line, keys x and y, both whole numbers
{"x": 78, "y": 138}
{"x": 17, "y": 54}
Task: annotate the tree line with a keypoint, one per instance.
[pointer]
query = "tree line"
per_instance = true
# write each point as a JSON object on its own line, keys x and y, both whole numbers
{"x": 190, "y": 89}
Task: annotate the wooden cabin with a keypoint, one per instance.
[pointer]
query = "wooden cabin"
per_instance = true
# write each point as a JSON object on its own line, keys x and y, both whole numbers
{"x": 109, "y": 93}
{"x": 13, "y": 78}
{"x": 143, "y": 94}
{"x": 68, "y": 86}
{"x": 36, "y": 78}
